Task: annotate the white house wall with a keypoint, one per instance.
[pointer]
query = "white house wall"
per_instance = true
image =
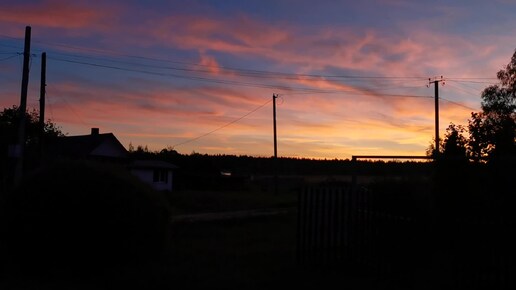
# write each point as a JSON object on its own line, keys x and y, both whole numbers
{"x": 147, "y": 176}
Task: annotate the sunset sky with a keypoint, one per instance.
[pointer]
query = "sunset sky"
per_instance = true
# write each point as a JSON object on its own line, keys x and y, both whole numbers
{"x": 199, "y": 76}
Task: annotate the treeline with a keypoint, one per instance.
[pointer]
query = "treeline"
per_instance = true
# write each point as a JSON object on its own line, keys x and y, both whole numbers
{"x": 249, "y": 165}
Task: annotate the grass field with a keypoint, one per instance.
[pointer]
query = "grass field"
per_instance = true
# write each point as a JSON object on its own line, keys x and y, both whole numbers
{"x": 255, "y": 253}
{"x": 199, "y": 201}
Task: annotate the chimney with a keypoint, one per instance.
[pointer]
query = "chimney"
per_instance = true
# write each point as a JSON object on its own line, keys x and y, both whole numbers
{"x": 94, "y": 131}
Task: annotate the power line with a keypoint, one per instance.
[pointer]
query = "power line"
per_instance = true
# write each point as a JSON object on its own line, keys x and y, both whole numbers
{"x": 57, "y": 44}
{"x": 377, "y": 94}
{"x": 244, "y": 72}
{"x": 471, "y": 78}
{"x": 247, "y": 71}
{"x": 70, "y": 107}
{"x": 464, "y": 90}
{"x": 177, "y": 76}
{"x": 233, "y": 71}
{"x": 11, "y": 46}
{"x": 230, "y": 82}
{"x": 241, "y": 70}
{"x": 205, "y": 71}
{"x": 221, "y": 127}
{"x": 9, "y": 57}
{"x": 473, "y": 81}
{"x": 458, "y": 104}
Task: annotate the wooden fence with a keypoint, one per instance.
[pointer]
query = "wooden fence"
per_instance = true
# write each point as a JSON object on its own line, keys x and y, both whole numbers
{"x": 342, "y": 225}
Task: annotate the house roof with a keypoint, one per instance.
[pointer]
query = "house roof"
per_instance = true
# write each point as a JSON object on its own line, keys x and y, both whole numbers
{"x": 81, "y": 146}
{"x": 152, "y": 164}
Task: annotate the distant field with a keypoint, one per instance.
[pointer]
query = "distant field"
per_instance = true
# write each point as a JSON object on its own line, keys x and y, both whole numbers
{"x": 196, "y": 201}
{"x": 259, "y": 192}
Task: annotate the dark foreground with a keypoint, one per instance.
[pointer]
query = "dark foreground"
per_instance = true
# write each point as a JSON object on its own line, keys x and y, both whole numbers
{"x": 252, "y": 253}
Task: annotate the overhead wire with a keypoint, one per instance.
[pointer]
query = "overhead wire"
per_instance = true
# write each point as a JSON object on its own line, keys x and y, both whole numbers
{"x": 241, "y": 70}
{"x": 246, "y": 72}
{"x": 218, "y": 81}
{"x": 473, "y": 81}
{"x": 234, "y": 71}
{"x": 458, "y": 104}
{"x": 249, "y": 71}
{"x": 221, "y": 127}
{"x": 195, "y": 68}
{"x": 253, "y": 73}
{"x": 470, "y": 86}
{"x": 117, "y": 53}
{"x": 9, "y": 57}
{"x": 11, "y": 46}
{"x": 227, "y": 82}
{"x": 470, "y": 78}
{"x": 469, "y": 92}
{"x": 70, "y": 107}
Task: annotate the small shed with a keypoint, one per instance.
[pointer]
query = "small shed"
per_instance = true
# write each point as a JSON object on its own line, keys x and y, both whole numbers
{"x": 159, "y": 174}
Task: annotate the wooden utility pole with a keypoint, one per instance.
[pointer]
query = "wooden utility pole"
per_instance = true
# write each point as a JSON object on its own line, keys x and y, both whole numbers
{"x": 20, "y": 146}
{"x": 274, "y": 97}
{"x": 43, "y": 85}
{"x": 436, "y": 82}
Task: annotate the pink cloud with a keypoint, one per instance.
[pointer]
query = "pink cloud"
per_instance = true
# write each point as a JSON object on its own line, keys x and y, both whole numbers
{"x": 414, "y": 51}
{"x": 210, "y": 62}
{"x": 55, "y": 14}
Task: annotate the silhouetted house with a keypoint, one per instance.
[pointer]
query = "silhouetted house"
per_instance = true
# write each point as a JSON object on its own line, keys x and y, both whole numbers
{"x": 157, "y": 173}
{"x": 106, "y": 148}
{"x": 96, "y": 146}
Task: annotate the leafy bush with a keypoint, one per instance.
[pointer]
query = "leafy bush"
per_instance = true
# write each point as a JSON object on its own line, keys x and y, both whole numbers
{"x": 83, "y": 216}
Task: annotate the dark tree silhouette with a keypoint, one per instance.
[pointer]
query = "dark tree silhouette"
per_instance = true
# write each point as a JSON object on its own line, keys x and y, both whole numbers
{"x": 9, "y": 126}
{"x": 493, "y": 131}
{"x": 455, "y": 144}
{"x": 452, "y": 146}
{"x": 9, "y": 120}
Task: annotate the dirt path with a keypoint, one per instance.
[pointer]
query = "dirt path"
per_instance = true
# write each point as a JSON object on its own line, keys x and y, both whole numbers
{"x": 229, "y": 215}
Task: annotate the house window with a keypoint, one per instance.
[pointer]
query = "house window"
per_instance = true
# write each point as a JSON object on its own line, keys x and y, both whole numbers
{"x": 160, "y": 175}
